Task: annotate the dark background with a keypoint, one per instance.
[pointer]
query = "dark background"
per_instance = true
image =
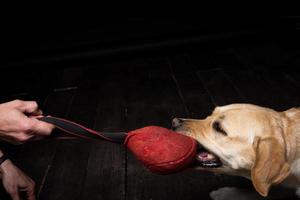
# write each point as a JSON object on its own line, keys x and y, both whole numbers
{"x": 120, "y": 67}
{"x": 44, "y": 32}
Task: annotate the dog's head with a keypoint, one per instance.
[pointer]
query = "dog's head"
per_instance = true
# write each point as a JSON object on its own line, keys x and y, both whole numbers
{"x": 241, "y": 139}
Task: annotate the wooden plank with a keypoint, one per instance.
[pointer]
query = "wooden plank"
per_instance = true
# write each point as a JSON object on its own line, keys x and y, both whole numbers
{"x": 253, "y": 86}
{"x": 265, "y": 87}
{"x": 33, "y": 95}
{"x": 222, "y": 92}
{"x": 105, "y": 177}
{"x": 293, "y": 77}
{"x": 225, "y": 56}
{"x": 63, "y": 82}
{"x": 57, "y": 104}
{"x": 35, "y": 83}
{"x": 260, "y": 53}
{"x": 155, "y": 100}
{"x": 67, "y": 172}
{"x": 181, "y": 64}
{"x": 195, "y": 98}
{"x": 68, "y": 77}
{"x": 291, "y": 72}
{"x": 284, "y": 89}
{"x": 221, "y": 89}
{"x": 200, "y": 105}
{"x": 90, "y": 164}
{"x": 288, "y": 92}
{"x": 96, "y": 169}
{"x": 65, "y": 175}
{"x": 112, "y": 115}
{"x": 203, "y": 59}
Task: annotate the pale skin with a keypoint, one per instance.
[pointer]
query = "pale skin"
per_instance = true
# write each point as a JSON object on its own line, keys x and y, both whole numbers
{"x": 19, "y": 124}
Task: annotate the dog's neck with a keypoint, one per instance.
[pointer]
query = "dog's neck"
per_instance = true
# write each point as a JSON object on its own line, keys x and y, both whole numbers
{"x": 297, "y": 139}
{"x": 292, "y": 135}
{"x": 292, "y": 146}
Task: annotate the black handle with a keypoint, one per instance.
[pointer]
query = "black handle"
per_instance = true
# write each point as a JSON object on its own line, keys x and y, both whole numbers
{"x": 83, "y": 132}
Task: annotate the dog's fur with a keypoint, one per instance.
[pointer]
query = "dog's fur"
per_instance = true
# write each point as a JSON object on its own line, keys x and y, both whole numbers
{"x": 261, "y": 144}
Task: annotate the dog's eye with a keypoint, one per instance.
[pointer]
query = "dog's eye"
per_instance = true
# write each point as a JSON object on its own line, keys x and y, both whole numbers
{"x": 217, "y": 127}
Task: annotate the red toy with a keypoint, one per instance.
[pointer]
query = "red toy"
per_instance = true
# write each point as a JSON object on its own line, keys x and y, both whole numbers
{"x": 161, "y": 150}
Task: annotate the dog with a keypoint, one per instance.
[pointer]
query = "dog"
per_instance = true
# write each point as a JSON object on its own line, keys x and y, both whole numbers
{"x": 246, "y": 140}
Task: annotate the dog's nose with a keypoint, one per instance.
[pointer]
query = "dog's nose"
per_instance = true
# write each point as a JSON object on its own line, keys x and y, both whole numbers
{"x": 176, "y": 122}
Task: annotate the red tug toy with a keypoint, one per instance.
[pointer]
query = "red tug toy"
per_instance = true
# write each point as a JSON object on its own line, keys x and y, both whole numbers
{"x": 161, "y": 150}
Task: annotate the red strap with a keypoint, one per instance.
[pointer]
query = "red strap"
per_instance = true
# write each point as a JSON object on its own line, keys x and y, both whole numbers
{"x": 83, "y": 132}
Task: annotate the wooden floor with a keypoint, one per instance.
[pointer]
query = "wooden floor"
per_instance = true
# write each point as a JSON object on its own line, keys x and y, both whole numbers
{"x": 129, "y": 94}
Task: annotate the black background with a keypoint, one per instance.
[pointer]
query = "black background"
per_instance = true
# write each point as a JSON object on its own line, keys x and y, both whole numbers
{"x": 124, "y": 66}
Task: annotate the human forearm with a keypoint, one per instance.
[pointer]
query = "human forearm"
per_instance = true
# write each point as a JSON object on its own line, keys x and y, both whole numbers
{"x": 14, "y": 180}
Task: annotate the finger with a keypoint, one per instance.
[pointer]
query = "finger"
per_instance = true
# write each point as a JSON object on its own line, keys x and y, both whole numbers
{"x": 27, "y": 188}
{"x": 29, "y": 107}
{"x": 23, "y": 137}
{"x": 36, "y": 116}
{"x": 30, "y": 193}
{"x": 38, "y": 112}
{"x": 15, "y": 195}
{"x": 35, "y": 138}
{"x": 40, "y": 128}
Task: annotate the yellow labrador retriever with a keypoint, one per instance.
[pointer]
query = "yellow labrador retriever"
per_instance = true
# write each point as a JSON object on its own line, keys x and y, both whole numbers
{"x": 250, "y": 141}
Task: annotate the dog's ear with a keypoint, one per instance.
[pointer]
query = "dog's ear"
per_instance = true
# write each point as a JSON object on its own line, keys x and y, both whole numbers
{"x": 270, "y": 166}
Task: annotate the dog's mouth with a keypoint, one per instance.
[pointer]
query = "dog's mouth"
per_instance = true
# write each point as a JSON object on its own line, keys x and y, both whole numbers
{"x": 204, "y": 158}
{"x": 207, "y": 159}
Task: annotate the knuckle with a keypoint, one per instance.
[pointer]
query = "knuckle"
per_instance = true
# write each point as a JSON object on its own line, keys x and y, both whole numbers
{"x": 34, "y": 104}
{"x": 23, "y": 138}
{"x": 17, "y": 102}
{"x": 26, "y": 126}
{"x": 32, "y": 184}
{"x": 31, "y": 187}
{"x": 49, "y": 129}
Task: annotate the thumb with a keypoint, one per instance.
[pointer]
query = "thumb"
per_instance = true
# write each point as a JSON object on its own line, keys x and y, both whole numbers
{"x": 40, "y": 128}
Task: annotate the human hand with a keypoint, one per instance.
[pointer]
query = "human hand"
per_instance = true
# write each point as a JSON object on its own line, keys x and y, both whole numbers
{"x": 19, "y": 123}
{"x": 15, "y": 181}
